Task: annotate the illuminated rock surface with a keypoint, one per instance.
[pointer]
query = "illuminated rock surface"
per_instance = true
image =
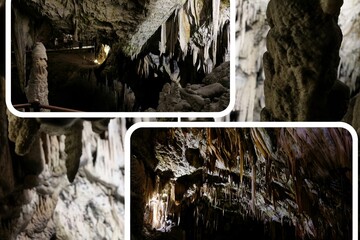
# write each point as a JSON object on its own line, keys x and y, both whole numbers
{"x": 152, "y": 43}
{"x": 227, "y": 183}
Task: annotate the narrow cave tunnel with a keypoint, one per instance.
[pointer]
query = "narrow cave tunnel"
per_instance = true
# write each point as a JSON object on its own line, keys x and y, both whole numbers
{"x": 229, "y": 183}
{"x": 162, "y": 55}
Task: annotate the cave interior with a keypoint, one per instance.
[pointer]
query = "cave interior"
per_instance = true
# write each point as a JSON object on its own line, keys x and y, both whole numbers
{"x": 229, "y": 183}
{"x": 123, "y": 59}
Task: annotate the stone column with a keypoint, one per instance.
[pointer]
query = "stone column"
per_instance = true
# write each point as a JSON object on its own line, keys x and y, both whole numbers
{"x": 301, "y": 62}
{"x": 37, "y": 88}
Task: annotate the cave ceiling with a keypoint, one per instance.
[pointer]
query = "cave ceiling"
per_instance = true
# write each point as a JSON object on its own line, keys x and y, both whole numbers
{"x": 283, "y": 175}
{"x": 130, "y": 22}
{"x": 153, "y": 55}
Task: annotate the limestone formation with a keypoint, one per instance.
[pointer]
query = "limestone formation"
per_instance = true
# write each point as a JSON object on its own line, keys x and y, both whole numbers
{"x": 212, "y": 95}
{"x": 251, "y": 28}
{"x": 301, "y": 61}
{"x": 216, "y": 183}
{"x": 151, "y": 42}
{"x": 47, "y": 206}
{"x": 37, "y": 89}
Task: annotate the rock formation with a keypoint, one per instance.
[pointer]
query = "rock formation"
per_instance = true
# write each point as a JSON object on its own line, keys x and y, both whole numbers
{"x": 211, "y": 96}
{"x": 50, "y": 169}
{"x": 252, "y": 27}
{"x": 37, "y": 87}
{"x": 278, "y": 183}
{"x": 149, "y": 42}
{"x": 301, "y": 62}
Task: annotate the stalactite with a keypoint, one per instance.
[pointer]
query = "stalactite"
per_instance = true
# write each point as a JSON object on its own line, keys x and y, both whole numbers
{"x": 195, "y": 36}
{"x": 215, "y": 18}
{"x": 349, "y": 66}
{"x": 253, "y": 188}
{"x": 184, "y": 31}
{"x": 163, "y": 39}
{"x": 76, "y": 22}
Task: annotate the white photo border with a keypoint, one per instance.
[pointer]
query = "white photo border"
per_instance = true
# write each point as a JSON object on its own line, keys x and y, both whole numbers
{"x": 121, "y": 114}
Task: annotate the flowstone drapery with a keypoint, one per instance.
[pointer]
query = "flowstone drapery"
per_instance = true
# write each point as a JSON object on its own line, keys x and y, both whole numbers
{"x": 225, "y": 183}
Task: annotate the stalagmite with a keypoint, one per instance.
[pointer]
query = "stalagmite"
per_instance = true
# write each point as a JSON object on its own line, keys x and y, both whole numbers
{"x": 37, "y": 89}
{"x": 301, "y": 63}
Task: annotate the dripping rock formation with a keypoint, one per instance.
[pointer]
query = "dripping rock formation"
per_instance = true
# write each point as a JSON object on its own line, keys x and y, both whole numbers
{"x": 222, "y": 183}
{"x": 122, "y": 56}
{"x": 61, "y": 178}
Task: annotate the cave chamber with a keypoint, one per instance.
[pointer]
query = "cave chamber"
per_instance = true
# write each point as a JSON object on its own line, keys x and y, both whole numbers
{"x": 157, "y": 55}
{"x": 230, "y": 183}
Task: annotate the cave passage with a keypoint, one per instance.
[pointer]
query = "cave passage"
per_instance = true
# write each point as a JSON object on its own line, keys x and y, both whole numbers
{"x": 227, "y": 183}
{"x": 175, "y": 61}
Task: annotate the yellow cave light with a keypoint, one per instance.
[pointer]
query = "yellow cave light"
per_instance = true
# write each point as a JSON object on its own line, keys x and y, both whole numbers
{"x": 104, "y": 52}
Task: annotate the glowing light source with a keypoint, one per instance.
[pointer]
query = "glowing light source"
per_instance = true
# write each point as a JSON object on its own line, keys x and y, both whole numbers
{"x": 104, "y": 51}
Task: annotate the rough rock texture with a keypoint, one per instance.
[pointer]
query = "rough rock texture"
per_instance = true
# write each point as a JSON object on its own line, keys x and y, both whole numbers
{"x": 96, "y": 198}
{"x": 150, "y": 42}
{"x": 218, "y": 183}
{"x": 352, "y": 116}
{"x": 124, "y": 21}
{"x": 251, "y": 29}
{"x": 47, "y": 205}
{"x": 220, "y": 75}
{"x": 37, "y": 89}
{"x": 213, "y": 95}
{"x": 301, "y": 62}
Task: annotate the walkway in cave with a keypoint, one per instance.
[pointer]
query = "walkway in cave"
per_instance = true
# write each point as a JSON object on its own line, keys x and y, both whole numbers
{"x": 83, "y": 58}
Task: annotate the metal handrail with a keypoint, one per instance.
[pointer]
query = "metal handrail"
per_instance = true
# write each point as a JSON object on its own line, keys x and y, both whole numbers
{"x": 38, "y": 106}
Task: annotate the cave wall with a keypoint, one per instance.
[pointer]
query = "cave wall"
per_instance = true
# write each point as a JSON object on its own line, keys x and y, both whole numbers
{"x": 195, "y": 181}
{"x": 45, "y": 160}
{"x": 162, "y": 43}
